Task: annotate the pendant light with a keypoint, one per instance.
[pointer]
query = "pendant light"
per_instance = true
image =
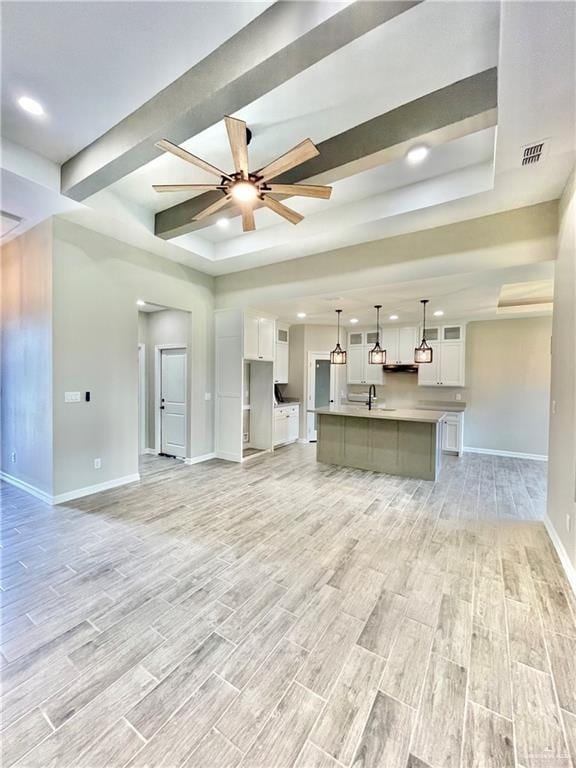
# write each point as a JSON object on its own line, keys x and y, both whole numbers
{"x": 338, "y": 355}
{"x": 377, "y": 355}
{"x": 423, "y": 353}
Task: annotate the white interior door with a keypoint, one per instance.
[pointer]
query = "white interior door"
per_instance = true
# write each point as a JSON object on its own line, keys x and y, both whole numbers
{"x": 321, "y": 388}
{"x": 173, "y": 402}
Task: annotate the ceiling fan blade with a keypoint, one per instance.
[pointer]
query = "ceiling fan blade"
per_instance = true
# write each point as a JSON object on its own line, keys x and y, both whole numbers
{"x": 281, "y": 209}
{"x": 295, "y": 156}
{"x": 303, "y": 190}
{"x": 248, "y": 223}
{"x": 237, "y": 138}
{"x": 183, "y": 154}
{"x": 224, "y": 200}
{"x": 185, "y": 187}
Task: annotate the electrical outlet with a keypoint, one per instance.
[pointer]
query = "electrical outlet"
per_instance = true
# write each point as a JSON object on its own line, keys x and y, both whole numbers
{"x": 71, "y": 397}
{"x": 458, "y": 396}
{"x": 245, "y": 437}
{"x": 553, "y": 407}
{"x": 207, "y": 395}
{"x": 97, "y": 463}
{"x": 13, "y": 457}
{"x": 568, "y": 523}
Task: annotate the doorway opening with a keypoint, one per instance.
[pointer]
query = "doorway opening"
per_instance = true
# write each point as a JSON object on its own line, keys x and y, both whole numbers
{"x": 321, "y": 388}
{"x": 164, "y": 381}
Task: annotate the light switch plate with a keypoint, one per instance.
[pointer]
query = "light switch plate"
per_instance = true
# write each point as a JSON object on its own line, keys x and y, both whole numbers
{"x": 71, "y": 397}
{"x": 97, "y": 463}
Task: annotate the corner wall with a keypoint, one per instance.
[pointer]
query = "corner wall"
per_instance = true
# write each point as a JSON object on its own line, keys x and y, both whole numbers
{"x": 26, "y": 358}
{"x": 562, "y": 449}
{"x": 97, "y": 281}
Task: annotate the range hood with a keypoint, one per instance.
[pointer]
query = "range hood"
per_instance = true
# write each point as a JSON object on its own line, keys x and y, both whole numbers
{"x": 400, "y": 368}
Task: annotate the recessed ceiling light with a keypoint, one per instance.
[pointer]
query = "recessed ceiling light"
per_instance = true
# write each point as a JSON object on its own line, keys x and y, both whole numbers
{"x": 301, "y": 314}
{"x": 439, "y": 313}
{"x": 393, "y": 317}
{"x": 31, "y": 105}
{"x": 417, "y": 154}
{"x": 141, "y": 303}
{"x": 223, "y": 223}
{"x": 353, "y": 319}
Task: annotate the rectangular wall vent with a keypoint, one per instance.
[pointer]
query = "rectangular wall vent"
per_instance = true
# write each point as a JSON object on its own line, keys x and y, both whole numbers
{"x": 532, "y": 153}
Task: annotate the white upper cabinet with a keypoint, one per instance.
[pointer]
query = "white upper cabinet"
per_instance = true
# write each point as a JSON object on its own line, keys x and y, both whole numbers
{"x": 281, "y": 362}
{"x": 251, "y": 336}
{"x": 358, "y": 369}
{"x": 389, "y": 341}
{"x": 259, "y": 337}
{"x": 448, "y": 358}
{"x": 452, "y": 364}
{"x": 407, "y": 342}
{"x": 429, "y": 373}
{"x": 355, "y": 367}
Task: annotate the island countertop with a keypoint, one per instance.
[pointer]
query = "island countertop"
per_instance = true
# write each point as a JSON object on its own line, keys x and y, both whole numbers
{"x": 397, "y": 414}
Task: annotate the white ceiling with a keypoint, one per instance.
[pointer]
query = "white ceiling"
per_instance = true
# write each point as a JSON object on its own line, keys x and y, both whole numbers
{"x": 93, "y": 63}
{"x": 66, "y": 54}
{"x": 370, "y": 76}
{"x": 532, "y": 45}
{"x": 469, "y": 296}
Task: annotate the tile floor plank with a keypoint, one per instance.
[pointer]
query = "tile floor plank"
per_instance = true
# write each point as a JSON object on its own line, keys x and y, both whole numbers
{"x": 343, "y": 720}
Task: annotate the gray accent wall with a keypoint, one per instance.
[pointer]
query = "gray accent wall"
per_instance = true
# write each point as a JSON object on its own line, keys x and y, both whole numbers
{"x": 26, "y": 358}
{"x": 562, "y": 451}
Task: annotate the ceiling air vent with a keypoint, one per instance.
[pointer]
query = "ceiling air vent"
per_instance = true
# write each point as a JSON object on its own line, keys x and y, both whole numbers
{"x": 533, "y": 153}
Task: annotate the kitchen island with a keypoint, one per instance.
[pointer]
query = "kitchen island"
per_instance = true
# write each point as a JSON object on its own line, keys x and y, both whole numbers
{"x": 396, "y": 441}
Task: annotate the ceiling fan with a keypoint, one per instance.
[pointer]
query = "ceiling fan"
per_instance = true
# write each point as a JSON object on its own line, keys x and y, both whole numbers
{"x": 245, "y": 188}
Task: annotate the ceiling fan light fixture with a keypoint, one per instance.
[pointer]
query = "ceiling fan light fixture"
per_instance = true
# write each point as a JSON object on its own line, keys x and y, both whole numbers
{"x": 244, "y": 191}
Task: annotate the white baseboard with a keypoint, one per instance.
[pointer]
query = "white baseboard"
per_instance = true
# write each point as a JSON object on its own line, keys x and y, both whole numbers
{"x": 510, "y": 454}
{"x": 226, "y": 456}
{"x": 149, "y": 452}
{"x": 88, "y": 490}
{"x": 23, "y": 486}
{"x": 199, "y": 459}
{"x": 568, "y": 566}
{"x": 62, "y": 498}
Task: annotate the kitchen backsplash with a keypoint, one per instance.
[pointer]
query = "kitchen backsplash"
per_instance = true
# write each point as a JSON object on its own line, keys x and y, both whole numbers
{"x": 401, "y": 389}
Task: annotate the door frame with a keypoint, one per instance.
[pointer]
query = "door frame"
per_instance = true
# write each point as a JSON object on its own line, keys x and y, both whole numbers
{"x": 312, "y": 357}
{"x": 142, "y": 399}
{"x": 158, "y": 388}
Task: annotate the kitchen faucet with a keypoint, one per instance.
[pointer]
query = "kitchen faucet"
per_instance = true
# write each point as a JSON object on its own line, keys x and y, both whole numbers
{"x": 371, "y": 395}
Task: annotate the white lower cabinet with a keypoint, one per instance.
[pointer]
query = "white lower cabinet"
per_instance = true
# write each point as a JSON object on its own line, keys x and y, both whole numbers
{"x": 286, "y": 424}
{"x": 453, "y": 433}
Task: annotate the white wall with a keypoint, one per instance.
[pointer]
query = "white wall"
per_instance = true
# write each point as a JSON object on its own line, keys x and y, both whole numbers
{"x": 562, "y": 451}
{"x": 507, "y": 386}
{"x": 97, "y": 281}
{"x": 26, "y": 358}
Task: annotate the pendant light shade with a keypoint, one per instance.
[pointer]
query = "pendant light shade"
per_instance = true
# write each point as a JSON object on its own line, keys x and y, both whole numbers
{"x": 377, "y": 355}
{"x": 423, "y": 352}
{"x": 338, "y": 355}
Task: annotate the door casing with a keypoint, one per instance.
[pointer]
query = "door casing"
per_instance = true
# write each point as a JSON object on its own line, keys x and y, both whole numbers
{"x": 312, "y": 358}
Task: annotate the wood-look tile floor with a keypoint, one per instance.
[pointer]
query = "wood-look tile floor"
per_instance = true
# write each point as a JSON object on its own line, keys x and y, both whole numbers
{"x": 285, "y": 613}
